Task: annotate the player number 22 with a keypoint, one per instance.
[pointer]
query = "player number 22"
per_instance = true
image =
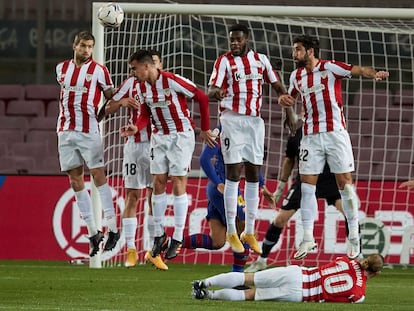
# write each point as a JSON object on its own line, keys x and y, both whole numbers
{"x": 303, "y": 155}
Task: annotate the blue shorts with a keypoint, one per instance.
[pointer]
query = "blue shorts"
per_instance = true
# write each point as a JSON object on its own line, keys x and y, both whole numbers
{"x": 215, "y": 209}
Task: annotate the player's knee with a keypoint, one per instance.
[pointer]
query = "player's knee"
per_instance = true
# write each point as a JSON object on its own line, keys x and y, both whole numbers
{"x": 77, "y": 182}
{"x": 132, "y": 195}
{"x": 282, "y": 218}
{"x": 217, "y": 244}
{"x": 77, "y": 185}
{"x": 280, "y": 223}
{"x": 99, "y": 177}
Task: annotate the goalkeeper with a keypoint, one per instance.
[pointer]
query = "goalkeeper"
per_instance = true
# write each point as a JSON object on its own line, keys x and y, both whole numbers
{"x": 326, "y": 188}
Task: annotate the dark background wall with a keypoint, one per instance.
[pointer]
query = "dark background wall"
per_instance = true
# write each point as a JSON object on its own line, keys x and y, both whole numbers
{"x": 35, "y": 35}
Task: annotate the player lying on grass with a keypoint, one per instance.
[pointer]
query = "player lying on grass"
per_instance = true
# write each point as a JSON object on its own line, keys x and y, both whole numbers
{"x": 342, "y": 280}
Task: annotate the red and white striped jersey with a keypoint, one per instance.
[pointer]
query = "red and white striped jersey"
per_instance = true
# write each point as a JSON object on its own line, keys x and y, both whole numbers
{"x": 129, "y": 89}
{"x": 242, "y": 77}
{"x": 342, "y": 280}
{"x": 167, "y": 102}
{"x": 81, "y": 91}
{"x": 321, "y": 95}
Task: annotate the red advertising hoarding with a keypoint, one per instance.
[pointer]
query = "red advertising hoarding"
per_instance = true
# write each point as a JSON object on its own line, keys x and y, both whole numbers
{"x": 40, "y": 221}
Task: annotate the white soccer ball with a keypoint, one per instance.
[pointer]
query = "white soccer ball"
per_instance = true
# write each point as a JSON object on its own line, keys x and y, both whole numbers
{"x": 110, "y": 15}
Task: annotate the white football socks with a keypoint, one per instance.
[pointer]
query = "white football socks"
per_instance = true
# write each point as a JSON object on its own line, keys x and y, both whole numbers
{"x": 308, "y": 210}
{"x": 230, "y": 204}
{"x": 251, "y": 197}
{"x": 108, "y": 207}
{"x": 159, "y": 205}
{"x": 84, "y": 203}
{"x": 129, "y": 226}
{"x": 350, "y": 204}
{"x": 180, "y": 216}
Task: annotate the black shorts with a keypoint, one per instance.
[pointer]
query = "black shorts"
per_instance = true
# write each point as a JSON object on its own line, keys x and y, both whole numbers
{"x": 326, "y": 188}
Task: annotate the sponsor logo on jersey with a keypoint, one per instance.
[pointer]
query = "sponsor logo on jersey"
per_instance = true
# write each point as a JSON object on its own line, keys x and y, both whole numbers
{"x": 159, "y": 104}
{"x": 74, "y": 88}
{"x": 252, "y": 76}
{"x": 313, "y": 89}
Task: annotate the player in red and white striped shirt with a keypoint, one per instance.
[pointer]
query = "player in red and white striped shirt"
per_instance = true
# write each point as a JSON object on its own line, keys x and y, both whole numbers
{"x": 325, "y": 138}
{"x": 136, "y": 164}
{"x": 342, "y": 280}
{"x": 164, "y": 100}
{"x": 237, "y": 82}
{"x": 82, "y": 82}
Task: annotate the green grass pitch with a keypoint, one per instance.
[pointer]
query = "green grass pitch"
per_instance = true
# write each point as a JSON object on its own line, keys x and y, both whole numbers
{"x": 42, "y": 285}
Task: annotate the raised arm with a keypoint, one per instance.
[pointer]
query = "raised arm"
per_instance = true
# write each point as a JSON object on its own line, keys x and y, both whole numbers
{"x": 369, "y": 72}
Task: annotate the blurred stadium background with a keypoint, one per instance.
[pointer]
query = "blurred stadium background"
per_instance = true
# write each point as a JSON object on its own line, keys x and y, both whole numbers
{"x": 34, "y": 36}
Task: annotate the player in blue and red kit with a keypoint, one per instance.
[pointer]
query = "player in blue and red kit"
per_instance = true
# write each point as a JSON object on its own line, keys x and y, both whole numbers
{"x": 215, "y": 211}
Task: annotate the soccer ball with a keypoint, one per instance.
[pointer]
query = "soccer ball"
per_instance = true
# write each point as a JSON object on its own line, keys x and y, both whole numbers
{"x": 110, "y": 15}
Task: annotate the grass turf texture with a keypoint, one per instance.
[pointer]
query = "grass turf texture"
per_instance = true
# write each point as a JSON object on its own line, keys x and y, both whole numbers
{"x": 29, "y": 285}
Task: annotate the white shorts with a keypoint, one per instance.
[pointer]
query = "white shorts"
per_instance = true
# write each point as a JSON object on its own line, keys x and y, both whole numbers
{"x": 280, "y": 284}
{"x": 332, "y": 147}
{"x": 241, "y": 138}
{"x": 78, "y": 148}
{"x": 136, "y": 165}
{"x": 172, "y": 153}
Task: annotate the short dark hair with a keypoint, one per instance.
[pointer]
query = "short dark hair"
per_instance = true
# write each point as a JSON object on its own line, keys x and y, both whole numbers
{"x": 83, "y": 35}
{"x": 142, "y": 56}
{"x": 240, "y": 27}
{"x": 155, "y": 52}
{"x": 308, "y": 42}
